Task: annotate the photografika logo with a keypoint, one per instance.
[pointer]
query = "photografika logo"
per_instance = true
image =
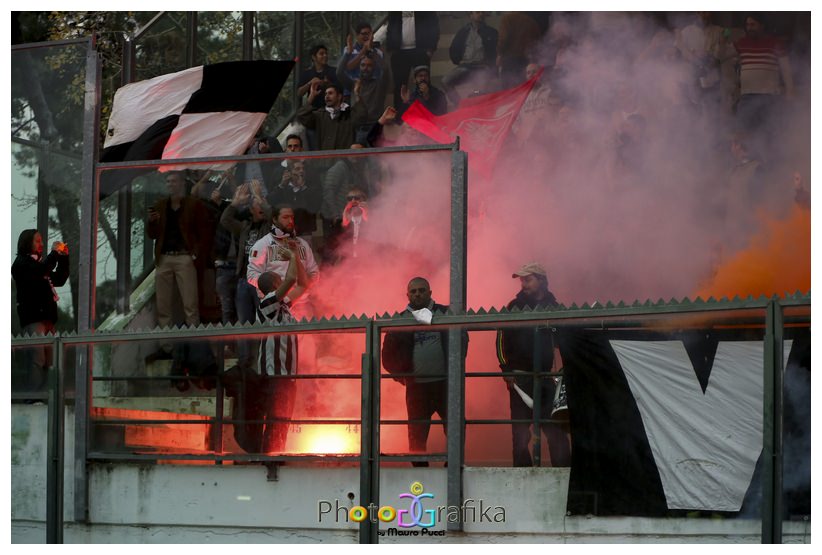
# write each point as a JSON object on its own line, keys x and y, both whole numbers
{"x": 416, "y": 494}
{"x": 417, "y": 510}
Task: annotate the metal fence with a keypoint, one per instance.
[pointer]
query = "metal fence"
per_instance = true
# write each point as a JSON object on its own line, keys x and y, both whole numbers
{"x": 772, "y": 317}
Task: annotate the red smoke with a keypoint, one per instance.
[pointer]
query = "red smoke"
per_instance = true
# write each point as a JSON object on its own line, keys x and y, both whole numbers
{"x": 613, "y": 212}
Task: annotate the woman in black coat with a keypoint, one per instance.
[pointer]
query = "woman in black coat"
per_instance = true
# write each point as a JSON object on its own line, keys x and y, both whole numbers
{"x": 36, "y": 278}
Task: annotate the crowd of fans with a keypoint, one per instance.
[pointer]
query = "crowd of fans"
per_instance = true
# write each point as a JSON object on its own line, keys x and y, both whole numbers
{"x": 737, "y": 81}
{"x": 224, "y": 241}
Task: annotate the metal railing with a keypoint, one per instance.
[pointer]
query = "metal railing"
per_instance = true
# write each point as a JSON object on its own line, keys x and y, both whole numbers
{"x": 610, "y": 316}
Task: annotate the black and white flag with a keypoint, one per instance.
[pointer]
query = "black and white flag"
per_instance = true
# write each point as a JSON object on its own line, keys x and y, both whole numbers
{"x": 212, "y": 110}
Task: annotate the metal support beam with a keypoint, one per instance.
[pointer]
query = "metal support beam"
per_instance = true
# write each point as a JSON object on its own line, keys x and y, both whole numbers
{"x": 457, "y": 301}
{"x": 248, "y": 36}
{"x": 124, "y": 205}
{"x": 298, "y": 52}
{"x": 124, "y": 198}
{"x": 773, "y": 426}
{"x": 91, "y": 126}
{"x": 536, "y": 413}
{"x": 56, "y": 442}
{"x": 191, "y": 39}
{"x": 43, "y": 208}
{"x": 369, "y": 430}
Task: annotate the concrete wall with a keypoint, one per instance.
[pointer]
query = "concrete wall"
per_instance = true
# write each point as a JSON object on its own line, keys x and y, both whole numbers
{"x": 145, "y": 503}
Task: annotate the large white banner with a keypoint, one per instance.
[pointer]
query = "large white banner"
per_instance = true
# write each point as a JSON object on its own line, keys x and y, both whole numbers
{"x": 705, "y": 444}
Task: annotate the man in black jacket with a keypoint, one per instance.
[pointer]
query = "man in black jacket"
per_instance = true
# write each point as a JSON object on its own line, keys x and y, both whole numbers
{"x": 36, "y": 278}
{"x": 515, "y": 351}
{"x": 422, "y": 358}
{"x": 474, "y": 52}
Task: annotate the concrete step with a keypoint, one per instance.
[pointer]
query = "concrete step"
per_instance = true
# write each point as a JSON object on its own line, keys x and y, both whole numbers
{"x": 199, "y": 405}
{"x": 118, "y": 436}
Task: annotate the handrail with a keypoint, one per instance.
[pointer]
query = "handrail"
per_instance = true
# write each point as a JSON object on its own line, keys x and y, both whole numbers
{"x": 471, "y": 317}
{"x": 353, "y": 152}
{"x": 372, "y": 374}
{"x": 47, "y": 44}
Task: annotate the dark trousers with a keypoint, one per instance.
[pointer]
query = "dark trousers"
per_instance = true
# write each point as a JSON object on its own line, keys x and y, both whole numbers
{"x": 226, "y": 285}
{"x": 422, "y": 400}
{"x": 246, "y": 303}
{"x": 760, "y": 116}
{"x": 281, "y": 395}
{"x": 260, "y": 398}
{"x": 555, "y": 436}
{"x": 38, "y": 359}
{"x": 402, "y": 62}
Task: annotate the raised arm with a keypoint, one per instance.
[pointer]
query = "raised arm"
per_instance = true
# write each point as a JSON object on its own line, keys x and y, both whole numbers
{"x": 290, "y": 274}
{"x": 302, "y": 275}
{"x": 229, "y": 219}
{"x": 311, "y": 269}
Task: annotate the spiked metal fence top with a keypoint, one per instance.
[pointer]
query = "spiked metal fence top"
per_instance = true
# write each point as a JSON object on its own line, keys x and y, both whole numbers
{"x": 353, "y": 322}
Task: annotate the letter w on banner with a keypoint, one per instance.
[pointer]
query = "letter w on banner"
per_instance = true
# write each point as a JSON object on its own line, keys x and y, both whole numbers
{"x": 482, "y": 123}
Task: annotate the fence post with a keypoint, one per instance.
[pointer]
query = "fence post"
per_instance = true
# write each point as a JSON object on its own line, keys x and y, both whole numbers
{"x": 456, "y": 362}
{"x": 772, "y": 426}
{"x": 54, "y": 456}
{"x": 85, "y": 310}
{"x": 369, "y": 433}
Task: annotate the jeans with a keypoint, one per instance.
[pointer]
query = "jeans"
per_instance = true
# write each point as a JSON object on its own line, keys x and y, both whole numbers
{"x": 226, "y": 285}
{"x": 246, "y": 303}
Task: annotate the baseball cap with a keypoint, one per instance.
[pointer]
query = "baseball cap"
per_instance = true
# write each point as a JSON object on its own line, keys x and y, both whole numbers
{"x": 530, "y": 268}
{"x": 419, "y": 69}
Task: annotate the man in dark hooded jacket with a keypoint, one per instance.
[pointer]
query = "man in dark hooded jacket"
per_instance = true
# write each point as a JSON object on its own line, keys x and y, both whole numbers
{"x": 515, "y": 351}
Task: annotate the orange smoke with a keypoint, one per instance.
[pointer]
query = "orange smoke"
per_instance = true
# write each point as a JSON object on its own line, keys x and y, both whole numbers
{"x": 778, "y": 261}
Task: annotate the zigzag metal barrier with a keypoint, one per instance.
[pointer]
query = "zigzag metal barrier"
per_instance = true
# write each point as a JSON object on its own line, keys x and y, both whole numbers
{"x": 780, "y": 312}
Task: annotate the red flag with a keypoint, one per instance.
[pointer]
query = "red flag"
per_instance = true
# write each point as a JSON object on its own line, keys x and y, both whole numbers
{"x": 481, "y": 122}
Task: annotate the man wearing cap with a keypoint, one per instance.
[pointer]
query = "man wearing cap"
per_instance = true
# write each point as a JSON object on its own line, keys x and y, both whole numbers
{"x": 411, "y": 38}
{"x": 431, "y": 97}
{"x": 515, "y": 352}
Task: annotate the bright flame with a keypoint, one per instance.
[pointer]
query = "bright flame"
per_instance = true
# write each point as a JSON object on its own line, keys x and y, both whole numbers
{"x": 325, "y": 439}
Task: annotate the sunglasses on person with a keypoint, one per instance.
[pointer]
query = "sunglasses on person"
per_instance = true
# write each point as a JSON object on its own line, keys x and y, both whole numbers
{"x": 353, "y": 197}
